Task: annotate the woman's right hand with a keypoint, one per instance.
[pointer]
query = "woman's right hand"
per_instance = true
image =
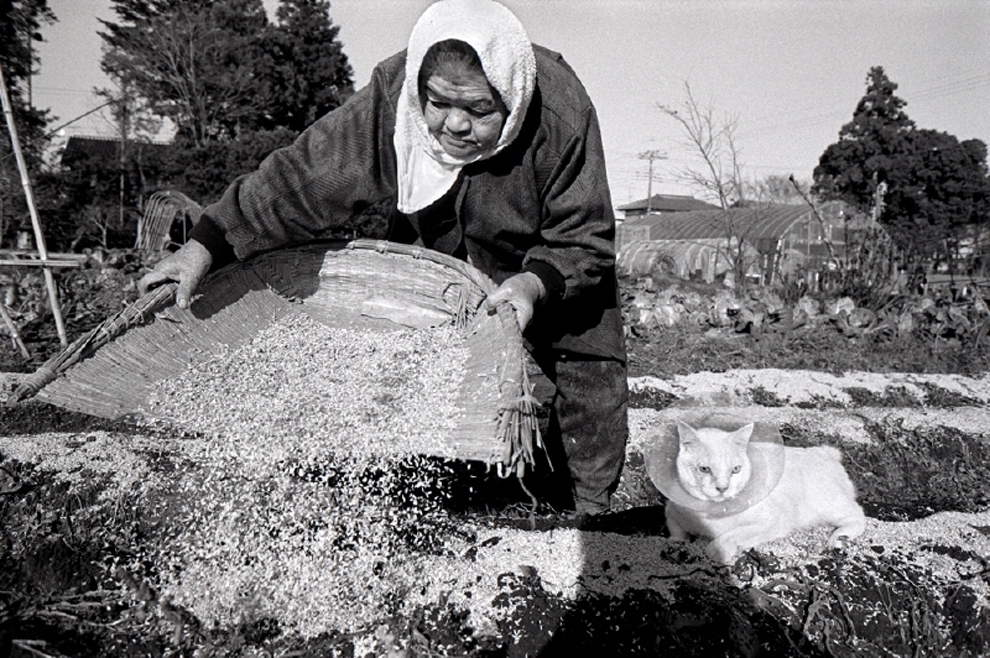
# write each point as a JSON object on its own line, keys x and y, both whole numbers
{"x": 187, "y": 266}
{"x": 523, "y": 292}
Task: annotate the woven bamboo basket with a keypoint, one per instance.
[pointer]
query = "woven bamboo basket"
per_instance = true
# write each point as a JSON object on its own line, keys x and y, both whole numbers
{"x": 368, "y": 285}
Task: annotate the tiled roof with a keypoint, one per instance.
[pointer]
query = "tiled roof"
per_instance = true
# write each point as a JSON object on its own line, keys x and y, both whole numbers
{"x": 105, "y": 148}
{"x": 668, "y": 203}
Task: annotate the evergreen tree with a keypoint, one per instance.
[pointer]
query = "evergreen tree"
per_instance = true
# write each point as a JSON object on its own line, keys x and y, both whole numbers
{"x": 20, "y": 25}
{"x": 930, "y": 187}
{"x": 309, "y": 74}
{"x": 938, "y": 194}
{"x": 868, "y": 145}
{"x": 232, "y": 83}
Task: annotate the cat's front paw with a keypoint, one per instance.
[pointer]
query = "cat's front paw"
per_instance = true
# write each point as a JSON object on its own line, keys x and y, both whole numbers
{"x": 840, "y": 542}
{"x": 675, "y": 530}
{"x": 722, "y": 551}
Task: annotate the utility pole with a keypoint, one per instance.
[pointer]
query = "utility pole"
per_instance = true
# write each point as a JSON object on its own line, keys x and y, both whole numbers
{"x": 651, "y": 156}
{"x": 878, "y": 199}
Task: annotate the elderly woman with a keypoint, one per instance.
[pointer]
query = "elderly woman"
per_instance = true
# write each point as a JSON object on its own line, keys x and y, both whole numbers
{"x": 475, "y": 143}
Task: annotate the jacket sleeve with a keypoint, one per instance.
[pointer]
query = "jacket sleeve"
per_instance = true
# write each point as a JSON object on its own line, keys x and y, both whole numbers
{"x": 578, "y": 223}
{"x": 337, "y": 168}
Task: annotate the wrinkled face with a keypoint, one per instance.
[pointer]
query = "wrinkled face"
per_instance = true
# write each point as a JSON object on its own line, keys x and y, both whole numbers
{"x": 463, "y": 112}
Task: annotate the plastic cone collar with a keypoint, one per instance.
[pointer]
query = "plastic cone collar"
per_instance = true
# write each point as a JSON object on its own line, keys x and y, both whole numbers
{"x": 765, "y": 451}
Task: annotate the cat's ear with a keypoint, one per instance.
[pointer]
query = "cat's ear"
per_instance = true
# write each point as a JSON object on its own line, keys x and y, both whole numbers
{"x": 742, "y": 435}
{"x": 686, "y": 433}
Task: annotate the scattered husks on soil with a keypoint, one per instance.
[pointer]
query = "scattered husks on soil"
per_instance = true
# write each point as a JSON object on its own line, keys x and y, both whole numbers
{"x": 309, "y": 487}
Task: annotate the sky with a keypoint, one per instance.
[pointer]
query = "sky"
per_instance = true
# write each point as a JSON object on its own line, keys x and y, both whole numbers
{"x": 788, "y": 72}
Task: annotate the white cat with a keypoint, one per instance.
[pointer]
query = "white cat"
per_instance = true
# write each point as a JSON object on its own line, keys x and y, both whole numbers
{"x": 712, "y": 465}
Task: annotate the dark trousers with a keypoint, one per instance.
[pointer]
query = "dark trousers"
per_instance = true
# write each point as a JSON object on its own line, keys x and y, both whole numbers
{"x": 587, "y": 433}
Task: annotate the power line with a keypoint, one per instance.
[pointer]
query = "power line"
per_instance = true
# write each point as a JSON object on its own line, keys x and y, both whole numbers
{"x": 81, "y": 116}
{"x": 952, "y": 89}
{"x": 67, "y": 90}
{"x": 810, "y": 116}
{"x": 66, "y": 124}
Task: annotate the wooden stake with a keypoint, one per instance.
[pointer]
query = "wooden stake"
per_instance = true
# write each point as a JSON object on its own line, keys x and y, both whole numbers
{"x": 39, "y": 236}
{"x": 9, "y": 321}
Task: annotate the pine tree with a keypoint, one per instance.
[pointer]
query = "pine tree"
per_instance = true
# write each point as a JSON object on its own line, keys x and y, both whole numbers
{"x": 310, "y": 74}
{"x": 20, "y": 25}
{"x": 933, "y": 187}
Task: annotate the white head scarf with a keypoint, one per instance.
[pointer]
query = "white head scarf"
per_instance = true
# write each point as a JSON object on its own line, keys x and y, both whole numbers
{"x": 425, "y": 171}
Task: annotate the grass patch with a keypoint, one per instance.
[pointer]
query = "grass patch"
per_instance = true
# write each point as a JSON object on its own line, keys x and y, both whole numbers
{"x": 651, "y": 398}
{"x": 891, "y": 397}
{"x": 941, "y": 398}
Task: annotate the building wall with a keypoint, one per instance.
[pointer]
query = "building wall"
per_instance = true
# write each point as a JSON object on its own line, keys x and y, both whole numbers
{"x": 628, "y": 232}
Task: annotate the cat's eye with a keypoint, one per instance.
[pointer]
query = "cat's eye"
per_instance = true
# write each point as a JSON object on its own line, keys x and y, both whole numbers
{"x": 737, "y": 469}
{"x": 704, "y": 469}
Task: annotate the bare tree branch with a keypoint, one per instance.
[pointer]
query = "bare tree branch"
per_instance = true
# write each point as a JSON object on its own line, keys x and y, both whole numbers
{"x": 713, "y": 140}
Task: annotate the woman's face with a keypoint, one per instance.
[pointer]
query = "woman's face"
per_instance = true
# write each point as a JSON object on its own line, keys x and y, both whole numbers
{"x": 462, "y": 110}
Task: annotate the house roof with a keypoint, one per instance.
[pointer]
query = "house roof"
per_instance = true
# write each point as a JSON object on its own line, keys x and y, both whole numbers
{"x": 103, "y": 148}
{"x": 668, "y": 203}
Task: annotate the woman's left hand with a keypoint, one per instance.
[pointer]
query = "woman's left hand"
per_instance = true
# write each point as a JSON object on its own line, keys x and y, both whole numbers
{"x": 523, "y": 292}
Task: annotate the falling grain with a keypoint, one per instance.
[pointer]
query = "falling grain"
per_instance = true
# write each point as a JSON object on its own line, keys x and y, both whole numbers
{"x": 304, "y": 388}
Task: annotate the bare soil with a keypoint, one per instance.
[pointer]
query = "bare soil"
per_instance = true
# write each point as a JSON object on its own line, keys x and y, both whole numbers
{"x": 502, "y": 578}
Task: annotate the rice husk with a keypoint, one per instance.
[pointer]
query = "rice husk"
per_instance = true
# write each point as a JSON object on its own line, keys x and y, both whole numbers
{"x": 309, "y": 495}
{"x": 302, "y": 387}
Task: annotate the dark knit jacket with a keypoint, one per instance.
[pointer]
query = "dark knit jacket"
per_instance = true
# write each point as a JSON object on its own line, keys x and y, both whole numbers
{"x": 541, "y": 205}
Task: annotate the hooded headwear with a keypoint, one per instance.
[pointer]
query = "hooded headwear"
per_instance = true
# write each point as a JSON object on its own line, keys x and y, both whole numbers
{"x": 425, "y": 171}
